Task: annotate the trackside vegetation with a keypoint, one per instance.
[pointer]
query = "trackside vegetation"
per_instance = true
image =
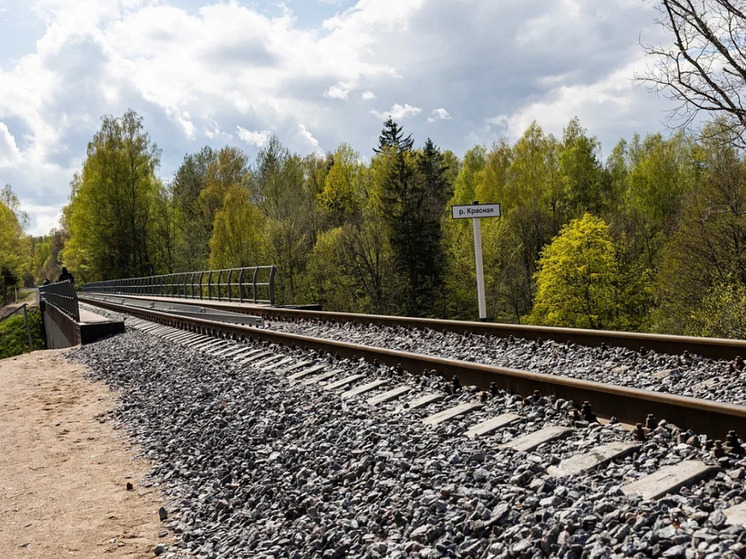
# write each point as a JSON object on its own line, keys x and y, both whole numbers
{"x": 653, "y": 238}
{"x": 13, "y": 335}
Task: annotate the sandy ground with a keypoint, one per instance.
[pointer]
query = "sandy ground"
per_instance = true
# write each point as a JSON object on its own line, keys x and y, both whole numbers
{"x": 64, "y": 467}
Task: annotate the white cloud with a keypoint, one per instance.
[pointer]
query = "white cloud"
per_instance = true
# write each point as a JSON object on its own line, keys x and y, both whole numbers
{"x": 439, "y": 114}
{"x": 311, "y": 142}
{"x": 605, "y": 108}
{"x": 45, "y": 218}
{"x": 9, "y": 153}
{"x": 229, "y": 72}
{"x": 257, "y": 139}
{"x": 212, "y": 130}
{"x": 398, "y": 112}
{"x": 338, "y": 91}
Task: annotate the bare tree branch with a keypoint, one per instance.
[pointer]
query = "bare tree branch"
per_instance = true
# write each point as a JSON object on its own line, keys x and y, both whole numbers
{"x": 705, "y": 67}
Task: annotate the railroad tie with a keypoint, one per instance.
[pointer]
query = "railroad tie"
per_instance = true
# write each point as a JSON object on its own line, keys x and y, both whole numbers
{"x": 189, "y": 338}
{"x": 267, "y": 360}
{"x": 669, "y": 478}
{"x": 233, "y": 352}
{"x": 450, "y": 413}
{"x": 425, "y": 400}
{"x": 201, "y": 343}
{"x": 660, "y": 375}
{"x": 291, "y": 368}
{"x": 344, "y": 382}
{"x": 587, "y": 461}
{"x": 247, "y": 352}
{"x": 196, "y": 339}
{"x": 204, "y": 341}
{"x": 364, "y": 388}
{"x": 227, "y": 351}
{"x": 185, "y": 337}
{"x": 215, "y": 350}
{"x": 529, "y": 442}
{"x": 306, "y": 372}
{"x": 320, "y": 379}
{"x": 173, "y": 334}
{"x": 209, "y": 343}
{"x": 281, "y": 362}
{"x": 709, "y": 383}
{"x": 389, "y": 395}
{"x": 491, "y": 425}
{"x": 254, "y": 357}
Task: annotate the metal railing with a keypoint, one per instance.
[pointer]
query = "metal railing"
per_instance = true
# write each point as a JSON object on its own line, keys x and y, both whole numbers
{"x": 245, "y": 285}
{"x": 62, "y": 295}
{"x": 25, "y": 319}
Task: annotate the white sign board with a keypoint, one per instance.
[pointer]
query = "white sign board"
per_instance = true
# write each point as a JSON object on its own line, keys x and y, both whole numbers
{"x": 475, "y": 210}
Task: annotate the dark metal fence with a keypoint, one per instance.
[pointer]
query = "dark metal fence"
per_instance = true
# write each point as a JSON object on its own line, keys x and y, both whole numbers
{"x": 62, "y": 295}
{"x": 245, "y": 285}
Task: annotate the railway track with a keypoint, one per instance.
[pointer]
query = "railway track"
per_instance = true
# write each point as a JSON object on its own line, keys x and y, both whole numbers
{"x": 718, "y": 348}
{"x": 275, "y": 450}
{"x": 625, "y": 404}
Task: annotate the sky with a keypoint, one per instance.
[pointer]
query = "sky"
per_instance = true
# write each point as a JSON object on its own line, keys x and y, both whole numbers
{"x": 314, "y": 73}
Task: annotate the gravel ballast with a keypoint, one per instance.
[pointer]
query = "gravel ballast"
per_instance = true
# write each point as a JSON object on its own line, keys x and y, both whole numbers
{"x": 257, "y": 466}
{"x": 684, "y": 375}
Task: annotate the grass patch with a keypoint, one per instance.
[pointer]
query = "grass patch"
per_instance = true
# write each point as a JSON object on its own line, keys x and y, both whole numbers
{"x": 13, "y": 336}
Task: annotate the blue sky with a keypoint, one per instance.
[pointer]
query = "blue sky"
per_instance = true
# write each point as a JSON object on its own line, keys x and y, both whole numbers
{"x": 315, "y": 73}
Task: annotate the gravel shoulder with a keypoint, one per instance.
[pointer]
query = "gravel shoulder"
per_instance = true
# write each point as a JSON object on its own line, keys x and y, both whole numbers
{"x": 65, "y": 467}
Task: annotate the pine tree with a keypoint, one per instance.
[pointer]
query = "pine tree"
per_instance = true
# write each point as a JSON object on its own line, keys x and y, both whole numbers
{"x": 392, "y": 136}
{"x": 414, "y": 191}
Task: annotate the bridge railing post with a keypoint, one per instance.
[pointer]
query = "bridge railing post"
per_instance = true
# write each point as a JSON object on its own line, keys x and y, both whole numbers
{"x": 230, "y": 284}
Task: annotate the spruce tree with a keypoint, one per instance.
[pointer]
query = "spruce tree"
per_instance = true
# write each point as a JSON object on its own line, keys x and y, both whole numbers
{"x": 392, "y": 136}
{"x": 413, "y": 194}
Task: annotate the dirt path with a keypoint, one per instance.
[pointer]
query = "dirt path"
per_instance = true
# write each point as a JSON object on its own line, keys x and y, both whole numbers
{"x": 64, "y": 468}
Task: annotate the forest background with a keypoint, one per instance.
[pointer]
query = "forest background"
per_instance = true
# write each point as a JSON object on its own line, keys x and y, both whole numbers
{"x": 652, "y": 239}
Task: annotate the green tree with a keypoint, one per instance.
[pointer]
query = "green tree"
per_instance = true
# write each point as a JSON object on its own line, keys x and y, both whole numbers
{"x": 164, "y": 237}
{"x": 14, "y": 244}
{"x": 413, "y": 192}
{"x": 578, "y": 278}
{"x": 721, "y": 313}
{"x": 707, "y": 249}
{"x": 343, "y": 195}
{"x": 470, "y": 176}
{"x": 45, "y": 256}
{"x": 331, "y": 277}
{"x": 660, "y": 173}
{"x": 392, "y": 136}
{"x": 531, "y": 202}
{"x": 193, "y": 220}
{"x": 238, "y": 236}
{"x": 109, "y": 212}
{"x": 584, "y": 183}
{"x": 280, "y": 189}
{"x": 366, "y": 265}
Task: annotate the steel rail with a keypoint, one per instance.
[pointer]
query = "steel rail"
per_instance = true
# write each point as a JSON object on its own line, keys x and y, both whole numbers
{"x": 717, "y": 348}
{"x": 628, "y": 405}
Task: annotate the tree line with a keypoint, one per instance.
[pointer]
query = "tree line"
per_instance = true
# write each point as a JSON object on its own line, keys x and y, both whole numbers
{"x": 652, "y": 239}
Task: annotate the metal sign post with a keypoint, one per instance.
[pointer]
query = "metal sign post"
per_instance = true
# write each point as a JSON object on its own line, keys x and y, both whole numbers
{"x": 477, "y": 212}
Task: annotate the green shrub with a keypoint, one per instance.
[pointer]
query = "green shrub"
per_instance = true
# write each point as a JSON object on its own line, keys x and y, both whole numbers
{"x": 13, "y": 336}
{"x": 722, "y": 313}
